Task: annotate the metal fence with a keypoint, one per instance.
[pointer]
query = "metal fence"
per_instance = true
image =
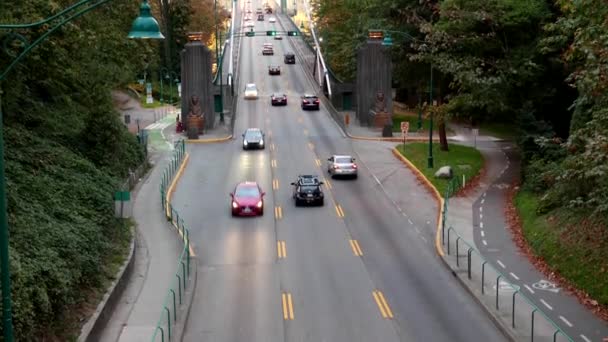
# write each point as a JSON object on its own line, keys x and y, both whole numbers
{"x": 179, "y": 282}
{"x": 492, "y": 287}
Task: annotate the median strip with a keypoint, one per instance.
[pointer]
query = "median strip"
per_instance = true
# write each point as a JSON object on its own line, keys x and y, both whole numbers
{"x": 273, "y": 163}
{"x": 385, "y": 310}
{"x": 287, "y": 306}
{"x": 339, "y": 211}
{"x": 275, "y": 184}
{"x": 318, "y": 162}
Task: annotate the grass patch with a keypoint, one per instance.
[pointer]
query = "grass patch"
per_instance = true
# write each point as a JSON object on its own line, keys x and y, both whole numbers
{"x": 569, "y": 243}
{"x": 505, "y": 131}
{"x": 155, "y": 103}
{"x": 413, "y": 120}
{"x": 463, "y": 160}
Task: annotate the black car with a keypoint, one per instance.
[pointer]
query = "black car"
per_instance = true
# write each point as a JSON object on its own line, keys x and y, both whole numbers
{"x": 290, "y": 58}
{"x": 253, "y": 138}
{"x": 307, "y": 190}
{"x": 278, "y": 99}
{"x": 260, "y": 17}
{"x": 274, "y": 70}
{"x": 310, "y": 102}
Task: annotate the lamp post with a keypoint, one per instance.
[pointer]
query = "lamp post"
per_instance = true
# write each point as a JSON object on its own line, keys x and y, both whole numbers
{"x": 144, "y": 27}
{"x": 161, "y": 75}
{"x": 219, "y": 62}
{"x": 169, "y": 76}
{"x": 388, "y": 41}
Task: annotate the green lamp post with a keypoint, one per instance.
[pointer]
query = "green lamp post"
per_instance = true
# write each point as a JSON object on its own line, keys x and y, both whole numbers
{"x": 144, "y": 27}
{"x": 171, "y": 76}
{"x": 219, "y": 62}
{"x": 430, "y": 158}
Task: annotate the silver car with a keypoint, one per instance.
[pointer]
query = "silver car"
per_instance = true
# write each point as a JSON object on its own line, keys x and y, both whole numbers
{"x": 342, "y": 165}
{"x": 253, "y": 138}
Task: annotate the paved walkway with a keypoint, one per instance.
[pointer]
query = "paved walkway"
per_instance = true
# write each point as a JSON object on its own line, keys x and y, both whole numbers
{"x": 479, "y": 219}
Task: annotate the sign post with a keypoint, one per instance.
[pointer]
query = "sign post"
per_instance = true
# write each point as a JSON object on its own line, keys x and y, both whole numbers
{"x": 405, "y": 127}
{"x": 149, "y": 99}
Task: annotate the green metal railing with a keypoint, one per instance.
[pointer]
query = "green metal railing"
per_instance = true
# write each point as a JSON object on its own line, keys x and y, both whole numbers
{"x": 179, "y": 282}
{"x": 486, "y": 267}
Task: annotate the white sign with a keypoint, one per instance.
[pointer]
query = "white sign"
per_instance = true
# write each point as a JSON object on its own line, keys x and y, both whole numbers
{"x": 405, "y": 127}
{"x": 546, "y": 286}
{"x": 149, "y": 98}
{"x": 179, "y": 89}
{"x": 505, "y": 286}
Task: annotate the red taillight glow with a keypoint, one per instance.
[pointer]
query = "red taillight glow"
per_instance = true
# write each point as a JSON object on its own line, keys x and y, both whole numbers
{"x": 354, "y": 166}
{"x": 317, "y": 101}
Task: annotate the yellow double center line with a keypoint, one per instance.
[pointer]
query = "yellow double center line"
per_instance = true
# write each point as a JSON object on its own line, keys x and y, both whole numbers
{"x": 356, "y": 248}
{"x": 339, "y": 211}
{"x": 318, "y": 162}
{"x": 281, "y": 249}
{"x": 278, "y": 212}
{"x": 287, "y": 306}
{"x": 385, "y": 310}
{"x": 273, "y": 163}
{"x": 275, "y": 184}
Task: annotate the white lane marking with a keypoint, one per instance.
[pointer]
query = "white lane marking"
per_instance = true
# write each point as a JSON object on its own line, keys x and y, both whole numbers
{"x": 485, "y": 243}
{"x": 417, "y": 230}
{"x": 501, "y": 264}
{"x": 484, "y": 194}
{"x": 480, "y": 216}
{"x": 483, "y": 233}
{"x": 529, "y": 288}
{"x": 514, "y": 276}
{"x": 376, "y": 178}
{"x": 546, "y": 304}
{"x": 483, "y": 200}
{"x": 481, "y": 209}
{"x": 481, "y": 225}
{"x": 423, "y": 238}
{"x": 566, "y": 321}
{"x": 585, "y": 338}
{"x": 409, "y": 221}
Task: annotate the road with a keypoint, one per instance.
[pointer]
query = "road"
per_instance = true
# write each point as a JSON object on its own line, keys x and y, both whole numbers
{"x": 352, "y": 270}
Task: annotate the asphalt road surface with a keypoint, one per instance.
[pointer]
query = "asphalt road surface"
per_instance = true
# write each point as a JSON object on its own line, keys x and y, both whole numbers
{"x": 348, "y": 271}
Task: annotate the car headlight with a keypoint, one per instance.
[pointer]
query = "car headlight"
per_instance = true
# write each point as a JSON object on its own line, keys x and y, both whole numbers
{"x": 259, "y": 205}
{"x": 262, "y": 142}
{"x": 244, "y": 142}
{"x": 235, "y": 205}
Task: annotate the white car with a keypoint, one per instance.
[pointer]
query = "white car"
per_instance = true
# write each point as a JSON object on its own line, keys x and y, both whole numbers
{"x": 251, "y": 91}
{"x": 342, "y": 165}
{"x": 272, "y": 20}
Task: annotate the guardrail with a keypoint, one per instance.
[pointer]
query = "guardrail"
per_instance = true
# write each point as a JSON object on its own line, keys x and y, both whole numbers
{"x": 492, "y": 286}
{"x": 179, "y": 282}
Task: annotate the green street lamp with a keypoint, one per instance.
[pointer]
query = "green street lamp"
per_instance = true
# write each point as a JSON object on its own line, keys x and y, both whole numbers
{"x": 171, "y": 76}
{"x": 387, "y": 40}
{"x": 17, "y": 46}
{"x": 219, "y": 62}
{"x": 161, "y": 72}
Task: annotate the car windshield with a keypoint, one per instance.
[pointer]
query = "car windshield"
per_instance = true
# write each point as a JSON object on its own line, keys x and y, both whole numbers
{"x": 253, "y": 134}
{"x": 246, "y": 191}
{"x": 250, "y": 87}
{"x": 308, "y": 188}
{"x": 344, "y": 160}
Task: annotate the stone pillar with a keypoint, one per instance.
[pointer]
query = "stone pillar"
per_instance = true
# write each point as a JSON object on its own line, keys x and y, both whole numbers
{"x": 197, "y": 80}
{"x": 374, "y": 74}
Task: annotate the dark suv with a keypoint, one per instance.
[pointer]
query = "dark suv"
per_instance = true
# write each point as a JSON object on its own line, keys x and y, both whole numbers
{"x": 290, "y": 58}
{"x": 307, "y": 190}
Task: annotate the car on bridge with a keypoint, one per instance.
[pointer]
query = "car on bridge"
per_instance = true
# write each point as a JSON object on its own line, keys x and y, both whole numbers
{"x": 247, "y": 199}
{"x": 267, "y": 49}
{"x": 307, "y": 190}
{"x": 260, "y": 17}
{"x": 274, "y": 70}
{"x": 289, "y": 58}
{"x": 278, "y": 99}
{"x": 251, "y": 91}
{"x": 342, "y": 165}
{"x": 272, "y": 20}
{"x": 310, "y": 102}
{"x": 253, "y": 138}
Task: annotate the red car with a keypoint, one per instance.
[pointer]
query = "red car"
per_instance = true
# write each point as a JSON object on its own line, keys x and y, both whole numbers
{"x": 278, "y": 99}
{"x": 247, "y": 199}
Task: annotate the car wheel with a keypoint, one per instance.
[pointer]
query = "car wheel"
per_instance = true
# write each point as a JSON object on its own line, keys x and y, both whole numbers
{"x": 297, "y": 202}
{"x": 262, "y": 211}
{"x": 356, "y": 176}
{"x": 321, "y": 202}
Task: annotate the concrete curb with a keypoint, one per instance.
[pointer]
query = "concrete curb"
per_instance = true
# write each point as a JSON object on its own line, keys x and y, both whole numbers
{"x": 209, "y": 141}
{"x": 439, "y": 246}
{"x": 105, "y": 308}
{"x": 357, "y": 137}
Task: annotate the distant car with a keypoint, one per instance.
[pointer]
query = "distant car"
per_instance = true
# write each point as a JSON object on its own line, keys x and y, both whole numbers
{"x": 310, "y": 102}
{"x": 267, "y": 51}
{"x": 253, "y": 138}
{"x": 342, "y": 165}
{"x": 259, "y": 11}
{"x": 247, "y": 199}
{"x": 251, "y": 91}
{"x": 289, "y": 58}
{"x": 260, "y": 17}
{"x": 268, "y": 10}
{"x": 278, "y": 99}
{"x": 274, "y": 70}
{"x": 277, "y": 37}
{"x": 307, "y": 190}
{"x": 272, "y": 20}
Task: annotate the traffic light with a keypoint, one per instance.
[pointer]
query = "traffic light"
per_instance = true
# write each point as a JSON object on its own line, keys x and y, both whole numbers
{"x": 292, "y": 33}
{"x": 271, "y": 33}
{"x": 250, "y": 34}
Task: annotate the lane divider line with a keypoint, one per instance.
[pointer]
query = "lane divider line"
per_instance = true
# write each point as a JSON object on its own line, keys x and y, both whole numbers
{"x": 170, "y": 191}
{"x": 339, "y": 211}
{"x": 300, "y": 120}
{"x": 318, "y": 162}
{"x": 273, "y": 163}
{"x": 328, "y": 183}
{"x": 272, "y": 147}
{"x": 275, "y": 184}
{"x": 287, "y": 306}
{"x": 311, "y": 146}
{"x": 354, "y": 244}
{"x": 278, "y": 213}
{"x": 385, "y": 310}
{"x": 305, "y": 132}
{"x": 281, "y": 249}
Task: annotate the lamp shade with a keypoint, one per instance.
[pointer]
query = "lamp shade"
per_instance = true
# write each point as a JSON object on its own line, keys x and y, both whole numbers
{"x": 387, "y": 41}
{"x": 145, "y": 26}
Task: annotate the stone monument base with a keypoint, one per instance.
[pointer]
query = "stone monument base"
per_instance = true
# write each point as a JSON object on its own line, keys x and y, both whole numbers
{"x": 381, "y": 119}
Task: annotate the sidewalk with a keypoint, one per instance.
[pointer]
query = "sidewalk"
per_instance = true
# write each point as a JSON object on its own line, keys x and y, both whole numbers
{"x": 479, "y": 220}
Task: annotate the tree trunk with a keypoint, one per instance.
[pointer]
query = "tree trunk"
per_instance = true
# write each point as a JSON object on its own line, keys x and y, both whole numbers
{"x": 443, "y": 139}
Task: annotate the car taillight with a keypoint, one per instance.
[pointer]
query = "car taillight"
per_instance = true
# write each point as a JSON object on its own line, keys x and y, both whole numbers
{"x": 304, "y": 101}
{"x": 317, "y": 101}
{"x": 336, "y": 166}
{"x": 259, "y": 205}
{"x": 354, "y": 166}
